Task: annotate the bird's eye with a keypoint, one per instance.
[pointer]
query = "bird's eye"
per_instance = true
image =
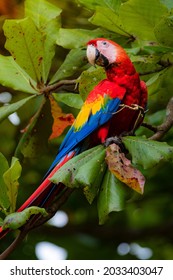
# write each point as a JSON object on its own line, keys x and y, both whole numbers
{"x": 105, "y": 44}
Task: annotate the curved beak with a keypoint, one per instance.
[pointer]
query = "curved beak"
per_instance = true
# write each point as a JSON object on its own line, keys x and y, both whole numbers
{"x": 95, "y": 57}
{"x": 91, "y": 54}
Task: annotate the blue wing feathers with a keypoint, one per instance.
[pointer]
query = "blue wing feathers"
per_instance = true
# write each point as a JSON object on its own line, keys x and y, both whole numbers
{"x": 73, "y": 138}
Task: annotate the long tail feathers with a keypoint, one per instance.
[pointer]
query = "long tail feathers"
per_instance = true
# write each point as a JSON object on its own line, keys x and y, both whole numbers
{"x": 46, "y": 191}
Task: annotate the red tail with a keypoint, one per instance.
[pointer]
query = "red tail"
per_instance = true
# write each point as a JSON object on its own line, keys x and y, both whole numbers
{"x": 44, "y": 193}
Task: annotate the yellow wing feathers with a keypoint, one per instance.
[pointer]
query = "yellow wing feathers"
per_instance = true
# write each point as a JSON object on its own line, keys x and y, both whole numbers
{"x": 87, "y": 109}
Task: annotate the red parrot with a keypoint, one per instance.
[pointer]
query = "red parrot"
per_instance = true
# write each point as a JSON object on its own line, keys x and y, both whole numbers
{"x": 115, "y": 106}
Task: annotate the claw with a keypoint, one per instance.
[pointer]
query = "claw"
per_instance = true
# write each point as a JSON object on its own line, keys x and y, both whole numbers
{"x": 113, "y": 140}
{"x": 118, "y": 141}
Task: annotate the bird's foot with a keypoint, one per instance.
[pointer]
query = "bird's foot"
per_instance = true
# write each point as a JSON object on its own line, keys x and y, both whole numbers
{"x": 118, "y": 141}
{"x": 113, "y": 140}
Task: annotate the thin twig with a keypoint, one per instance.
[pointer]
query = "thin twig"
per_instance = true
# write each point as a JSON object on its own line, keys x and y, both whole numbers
{"x": 167, "y": 124}
{"x": 149, "y": 126}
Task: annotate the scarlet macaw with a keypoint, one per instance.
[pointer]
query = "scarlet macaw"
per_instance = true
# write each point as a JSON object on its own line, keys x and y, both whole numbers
{"x": 115, "y": 106}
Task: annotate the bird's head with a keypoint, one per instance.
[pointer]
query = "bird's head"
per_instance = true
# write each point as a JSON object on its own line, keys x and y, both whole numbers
{"x": 105, "y": 52}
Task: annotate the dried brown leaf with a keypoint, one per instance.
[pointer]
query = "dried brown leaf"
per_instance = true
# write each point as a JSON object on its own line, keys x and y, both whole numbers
{"x": 122, "y": 168}
{"x": 61, "y": 120}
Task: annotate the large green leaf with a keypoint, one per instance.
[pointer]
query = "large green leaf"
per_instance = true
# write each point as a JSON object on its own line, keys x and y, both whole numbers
{"x": 91, "y": 173}
{"x": 7, "y": 110}
{"x": 11, "y": 177}
{"x": 147, "y": 153}
{"x": 160, "y": 88}
{"x": 4, "y": 200}
{"x": 72, "y": 174}
{"x": 70, "y": 99}
{"x": 46, "y": 17}
{"x": 109, "y": 20}
{"x": 146, "y": 64}
{"x": 25, "y": 43}
{"x": 42, "y": 12}
{"x": 164, "y": 30}
{"x": 111, "y": 196}
{"x": 94, "y": 76}
{"x": 72, "y": 63}
{"x": 13, "y": 76}
{"x": 76, "y": 38}
{"x": 147, "y": 13}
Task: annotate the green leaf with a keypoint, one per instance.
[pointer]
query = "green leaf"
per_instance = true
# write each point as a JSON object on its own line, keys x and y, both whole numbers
{"x": 72, "y": 63}
{"x": 90, "y": 175}
{"x": 73, "y": 38}
{"x": 25, "y": 43}
{"x": 92, "y": 4}
{"x": 7, "y": 110}
{"x": 13, "y": 76}
{"x": 146, "y": 64}
{"x": 11, "y": 177}
{"x": 42, "y": 12}
{"x": 167, "y": 3}
{"x": 158, "y": 85}
{"x": 34, "y": 141}
{"x": 76, "y": 38}
{"x": 4, "y": 200}
{"x": 46, "y": 17}
{"x": 147, "y": 153}
{"x": 18, "y": 219}
{"x": 108, "y": 19}
{"x": 70, "y": 99}
{"x": 147, "y": 13}
{"x": 68, "y": 173}
{"x": 1, "y": 222}
{"x": 111, "y": 196}
{"x": 157, "y": 49}
{"x": 89, "y": 79}
{"x": 164, "y": 29}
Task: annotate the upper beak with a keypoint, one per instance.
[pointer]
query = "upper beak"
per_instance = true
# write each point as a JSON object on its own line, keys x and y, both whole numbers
{"x": 92, "y": 52}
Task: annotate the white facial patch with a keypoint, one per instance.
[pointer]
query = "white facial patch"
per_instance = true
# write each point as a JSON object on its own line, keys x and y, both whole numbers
{"x": 108, "y": 50}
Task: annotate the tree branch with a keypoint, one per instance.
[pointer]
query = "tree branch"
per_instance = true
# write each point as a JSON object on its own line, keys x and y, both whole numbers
{"x": 167, "y": 124}
{"x": 51, "y": 88}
